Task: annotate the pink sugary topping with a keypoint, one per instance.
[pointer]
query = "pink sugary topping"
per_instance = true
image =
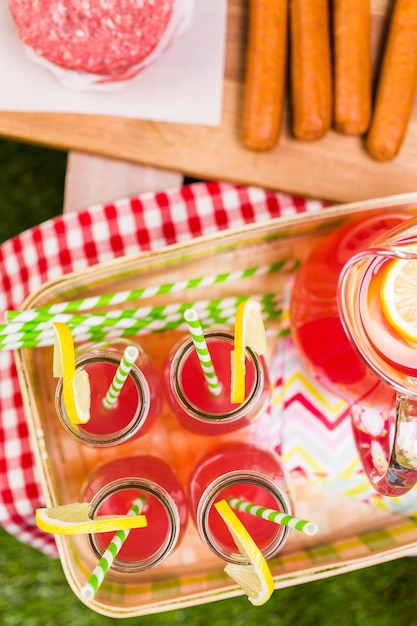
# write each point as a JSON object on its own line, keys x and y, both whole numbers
{"x": 96, "y": 36}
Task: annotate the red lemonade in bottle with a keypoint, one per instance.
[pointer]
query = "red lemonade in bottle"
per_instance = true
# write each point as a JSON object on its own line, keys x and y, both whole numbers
{"x": 248, "y": 472}
{"x": 112, "y": 488}
{"x": 262, "y": 531}
{"x": 189, "y": 396}
{"x": 137, "y": 405}
{"x": 105, "y": 421}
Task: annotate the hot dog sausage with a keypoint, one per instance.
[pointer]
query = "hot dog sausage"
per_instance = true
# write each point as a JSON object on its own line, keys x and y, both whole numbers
{"x": 311, "y": 72}
{"x": 396, "y": 84}
{"x": 265, "y": 74}
{"x": 352, "y": 65}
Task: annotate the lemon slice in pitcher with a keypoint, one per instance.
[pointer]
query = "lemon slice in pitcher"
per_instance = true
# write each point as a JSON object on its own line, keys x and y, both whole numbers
{"x": 74, "y": 519}
{"x": 75, "y": 385}
{"x": 255, "y": 578}
{"x": 249, "y": 332}
{"x": 399, "y": 297}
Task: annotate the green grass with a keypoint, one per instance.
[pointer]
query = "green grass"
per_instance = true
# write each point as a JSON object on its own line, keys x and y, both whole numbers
{"x": 33, "y": 589}
{"x": 34, "y": 592}
{"x": 31, "y": 186}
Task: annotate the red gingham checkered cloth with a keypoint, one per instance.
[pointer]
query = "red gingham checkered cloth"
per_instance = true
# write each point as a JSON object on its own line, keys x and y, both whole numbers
{"x": 74, "y": 241}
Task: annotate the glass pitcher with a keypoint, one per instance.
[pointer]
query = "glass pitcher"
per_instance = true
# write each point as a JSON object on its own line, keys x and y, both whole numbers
{"x": 341, "y": 327}
{"x": 367, "y": 280}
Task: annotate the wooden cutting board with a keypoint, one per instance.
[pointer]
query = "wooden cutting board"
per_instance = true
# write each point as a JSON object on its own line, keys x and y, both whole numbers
{"x": 336, "y": 168}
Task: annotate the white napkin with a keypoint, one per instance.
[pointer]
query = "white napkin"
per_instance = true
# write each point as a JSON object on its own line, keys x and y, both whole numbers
{"x": 183, "y": 86}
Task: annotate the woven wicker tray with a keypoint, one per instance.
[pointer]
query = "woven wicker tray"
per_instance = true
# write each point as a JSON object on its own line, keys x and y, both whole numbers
{"x": 351, "y": 534}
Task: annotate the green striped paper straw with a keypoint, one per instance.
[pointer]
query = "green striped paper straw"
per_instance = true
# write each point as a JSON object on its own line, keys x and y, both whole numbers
{"x": 120, "y": 319}
{"x": 44, "y": 339}
{"x": 146, "y": 314}
{"x": 197, "y": 335}
{"x": 129, "y": 357}
{"x": 92, "y": 302}
{"x": 114, "y": 332}
{"x": 117, "y": 329}
{"x": 138, "y": 317}
{"x": 308, "y": 528}
{"x": 81, "y": 334}
{"x": 89, "y": 590}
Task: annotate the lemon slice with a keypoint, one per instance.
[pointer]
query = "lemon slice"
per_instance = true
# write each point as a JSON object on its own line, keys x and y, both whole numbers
{"x": 399, "y": 297}
{"x": 74, "y": 519}
{"x": 249, "y": 332}
{"x": 75, "y": 385}
{"x": 255, "y": 578}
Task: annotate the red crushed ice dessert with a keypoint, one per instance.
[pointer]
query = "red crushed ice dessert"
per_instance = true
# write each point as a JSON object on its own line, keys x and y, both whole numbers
{"x": 102, "y": 37}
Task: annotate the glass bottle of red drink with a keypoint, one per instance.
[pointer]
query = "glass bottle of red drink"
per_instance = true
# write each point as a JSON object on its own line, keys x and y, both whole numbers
{"x": 188, "y": 394}
{"x": 250, "y": 473}
{"x": 138, "y": 404}
{"x": 112, "y": 487}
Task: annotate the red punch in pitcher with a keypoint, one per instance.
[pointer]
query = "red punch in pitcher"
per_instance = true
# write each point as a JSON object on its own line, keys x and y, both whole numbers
{"x": 346, "y": 316}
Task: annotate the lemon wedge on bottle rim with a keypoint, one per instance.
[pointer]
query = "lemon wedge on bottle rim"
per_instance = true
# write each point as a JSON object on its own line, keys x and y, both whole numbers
{"x": 74, "y": 519}
{"x": 254, "y": 578}
{"x": 399, "y": 296}
{"x": 249, "y": 333}
{"x": 75, "y": 384}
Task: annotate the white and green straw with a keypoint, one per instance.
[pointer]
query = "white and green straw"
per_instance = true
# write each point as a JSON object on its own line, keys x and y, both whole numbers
{"x": 106, "y": 300}
{"x": 96, "y": 578}
{"x": 308, "y": 528}
{"x": 127, "y": 361}
{"x": 129, "y": 322}
{"x": 143, "y": 315}
{"x": 197, "y": 335}
{"x": 83, "y": 333}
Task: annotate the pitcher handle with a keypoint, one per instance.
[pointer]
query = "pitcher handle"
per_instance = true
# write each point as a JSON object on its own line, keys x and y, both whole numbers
{"x": 388, "y": 447}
